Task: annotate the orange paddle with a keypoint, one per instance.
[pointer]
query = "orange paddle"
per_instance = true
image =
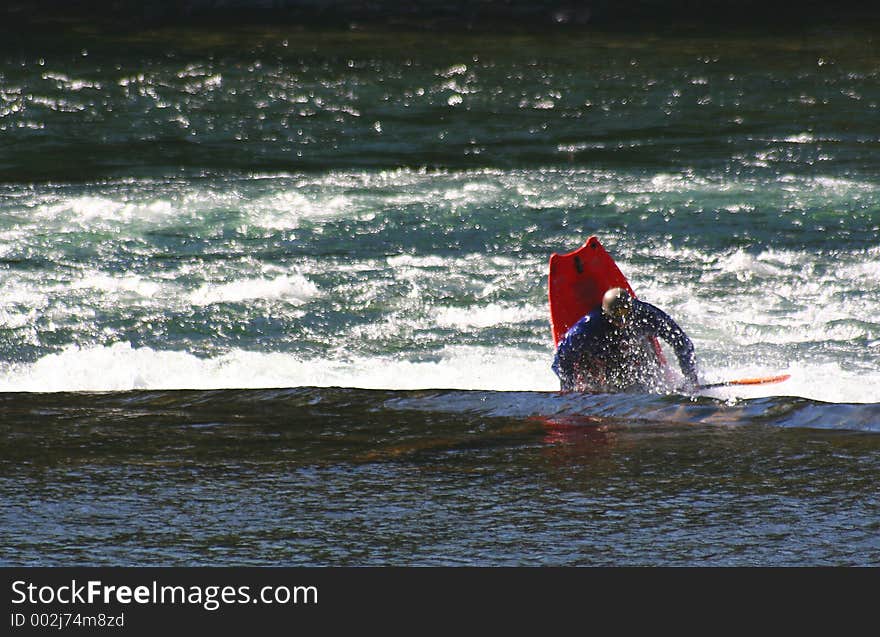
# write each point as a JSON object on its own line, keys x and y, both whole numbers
{"x": 762, "y": 380}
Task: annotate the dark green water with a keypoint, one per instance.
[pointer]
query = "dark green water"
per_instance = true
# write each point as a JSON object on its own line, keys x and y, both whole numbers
{"x": 273, "y": 296}
{"x": 344, "y": 477}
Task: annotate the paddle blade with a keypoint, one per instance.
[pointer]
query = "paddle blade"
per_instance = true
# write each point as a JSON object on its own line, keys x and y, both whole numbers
{"x": 762, "y": 380}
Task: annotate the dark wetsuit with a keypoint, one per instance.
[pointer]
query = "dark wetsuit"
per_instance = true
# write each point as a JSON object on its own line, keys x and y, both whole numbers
{"x": 596, "y": 355}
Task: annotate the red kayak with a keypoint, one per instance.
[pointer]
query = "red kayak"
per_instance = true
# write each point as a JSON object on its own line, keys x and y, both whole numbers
{"x": 576, "y": 284}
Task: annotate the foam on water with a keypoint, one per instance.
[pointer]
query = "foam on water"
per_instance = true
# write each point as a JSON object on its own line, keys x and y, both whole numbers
{"x": 126, "y": 284}
{"x": 101, "y": 212}
{"x": 420, "y": 310}
{"x": 825, "y": 382}
{"x": 295, "y": 288}
{"x": 492, "y": 315}
{"x": 287, "y": 210}
{"x": 124, "y": 367}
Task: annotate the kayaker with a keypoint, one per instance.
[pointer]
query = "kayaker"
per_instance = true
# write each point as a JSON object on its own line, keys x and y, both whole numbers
{"x": 611, "y": 348}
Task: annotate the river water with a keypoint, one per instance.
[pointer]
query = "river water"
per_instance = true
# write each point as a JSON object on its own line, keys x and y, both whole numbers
{"x": 277, "y": 296}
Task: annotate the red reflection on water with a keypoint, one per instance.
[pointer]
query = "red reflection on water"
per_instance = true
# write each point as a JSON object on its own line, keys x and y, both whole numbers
{"x": 584, "y": 432}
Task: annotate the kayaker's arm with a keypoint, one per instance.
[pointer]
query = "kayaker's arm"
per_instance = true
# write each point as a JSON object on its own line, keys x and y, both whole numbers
{"x": 564, "y": 363}
{"x": 669, "y": 331}
{"x": 568, "y": 361}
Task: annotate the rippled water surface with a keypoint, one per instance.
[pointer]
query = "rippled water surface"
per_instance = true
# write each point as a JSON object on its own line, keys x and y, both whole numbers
{"x": 277, "y": 296}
